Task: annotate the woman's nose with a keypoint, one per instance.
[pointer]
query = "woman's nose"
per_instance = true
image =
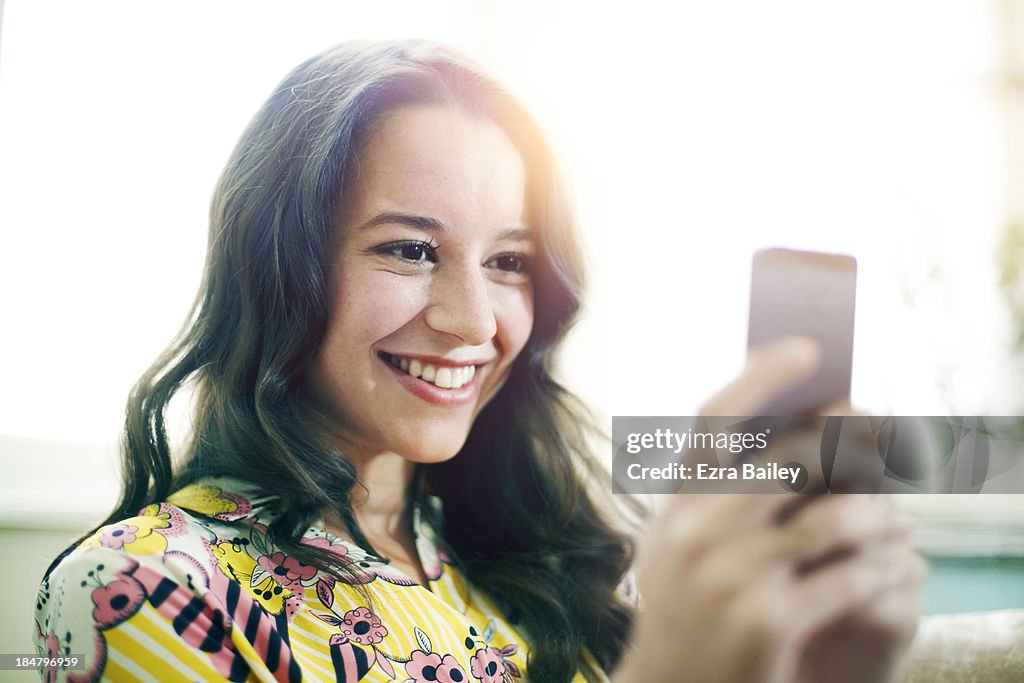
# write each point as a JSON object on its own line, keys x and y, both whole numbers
{"x": 460, "y": 305}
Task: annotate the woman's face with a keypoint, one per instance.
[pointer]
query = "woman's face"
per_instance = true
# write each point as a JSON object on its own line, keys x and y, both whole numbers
{"x": 432, "y": 298}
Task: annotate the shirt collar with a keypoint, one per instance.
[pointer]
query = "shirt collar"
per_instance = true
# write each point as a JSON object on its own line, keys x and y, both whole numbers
{"x": 236, "y": 500}
{"x": 227, "y": 499}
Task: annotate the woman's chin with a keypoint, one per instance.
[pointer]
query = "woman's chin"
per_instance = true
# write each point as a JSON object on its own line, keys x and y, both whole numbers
{"x": 427, "y": 454}
{"x": 430, "y": 446}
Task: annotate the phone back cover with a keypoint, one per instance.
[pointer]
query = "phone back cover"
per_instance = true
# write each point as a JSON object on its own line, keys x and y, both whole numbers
{"x": 806, "y": 294}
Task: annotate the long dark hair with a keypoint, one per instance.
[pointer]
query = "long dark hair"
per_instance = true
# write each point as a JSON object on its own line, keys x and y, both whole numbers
{"x": 523, "y": 517}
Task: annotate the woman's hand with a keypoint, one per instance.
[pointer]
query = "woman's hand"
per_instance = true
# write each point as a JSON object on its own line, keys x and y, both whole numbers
{"x": 870, "y": 644}
{"x": 775, "y": 588}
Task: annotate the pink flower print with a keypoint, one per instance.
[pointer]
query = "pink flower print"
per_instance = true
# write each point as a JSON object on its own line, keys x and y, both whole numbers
{"x": 116, "y": 601}
{"x": 118, "y": 535}
{"x": 298, "y": 571}
{"x": 274, "y": 565}
{"x": 176, "y": 520}
{"x": 52, "y": 652}
{"x": 52, "y": 645}
{"x": 368, "y": 570}
{"x": 487, "y": 665}
{"x": 362, "y": 626}
{"x": 321, "y": 542}
{"x": 286, "y": 570}
{"x": 426, "y": 668}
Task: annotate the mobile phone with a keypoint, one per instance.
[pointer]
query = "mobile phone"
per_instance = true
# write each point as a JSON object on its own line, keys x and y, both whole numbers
{"x": 810, "y": 294}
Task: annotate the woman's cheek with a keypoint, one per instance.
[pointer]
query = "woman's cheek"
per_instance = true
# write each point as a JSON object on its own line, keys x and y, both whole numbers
{"x": 515, "y": 318}
{"x": 381, "y": 302}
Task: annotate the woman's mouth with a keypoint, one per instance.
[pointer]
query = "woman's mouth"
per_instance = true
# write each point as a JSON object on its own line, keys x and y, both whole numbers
{"x": 442, "y": 376}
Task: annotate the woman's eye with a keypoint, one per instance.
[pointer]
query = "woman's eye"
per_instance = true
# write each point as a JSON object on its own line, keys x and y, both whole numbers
{"x": 410, "y": 251}
{"x": 510, "y": 263}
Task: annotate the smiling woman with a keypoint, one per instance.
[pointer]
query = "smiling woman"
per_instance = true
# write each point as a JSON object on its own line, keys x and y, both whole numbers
{"x": 385, "y": 481}
{"x": 390, "y": 268}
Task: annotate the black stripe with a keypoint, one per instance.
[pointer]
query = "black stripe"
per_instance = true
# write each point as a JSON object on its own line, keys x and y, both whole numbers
{"x": 214, "y": 638}
{"x": 294, "y": 672}
{"x": 361, "y": 661}
{"x": 252, "y": 624}
{"x": 233, "y": 590}
{"x": 273, "y": 650}
{"x": 282, "y": 626}
{"x": 339, "y": 663}
{"x": 162, "y": 591}
{"x": 239, "y": 669}
{"x": 187, "y": 615}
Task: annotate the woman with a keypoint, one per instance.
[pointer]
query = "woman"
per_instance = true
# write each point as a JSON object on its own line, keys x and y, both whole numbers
{"x": 384, "y": 480}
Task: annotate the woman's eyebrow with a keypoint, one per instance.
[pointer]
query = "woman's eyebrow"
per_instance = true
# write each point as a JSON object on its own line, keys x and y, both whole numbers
{"x": 411, "y": 219}
{"x": 516, "y": 234}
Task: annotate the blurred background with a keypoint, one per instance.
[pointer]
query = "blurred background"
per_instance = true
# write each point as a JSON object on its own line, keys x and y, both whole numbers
{"x": 692, "y": 136}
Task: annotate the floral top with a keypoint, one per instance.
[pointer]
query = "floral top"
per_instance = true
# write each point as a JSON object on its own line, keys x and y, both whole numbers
{"x": 171, "y": 595}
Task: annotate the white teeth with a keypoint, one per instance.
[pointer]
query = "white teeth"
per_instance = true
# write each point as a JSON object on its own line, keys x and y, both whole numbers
{"x": 444, "y": 376}
{"x": 462, "y": 375}
{"x": 429, "y": 372}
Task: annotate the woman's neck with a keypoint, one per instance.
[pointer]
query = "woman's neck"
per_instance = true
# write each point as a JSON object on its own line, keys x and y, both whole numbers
{"x": 380, "y": 505}
{"x": 380, "y": 501}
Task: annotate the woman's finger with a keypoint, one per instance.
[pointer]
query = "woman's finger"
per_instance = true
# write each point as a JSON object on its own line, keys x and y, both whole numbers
{"x": 851, "y": 585}
{"x": 842, "y": 407}
{"x": 770, "y": 369}
{"x": 884, "y": 626}
{"x": 702, "y": 520}
{"x": 841, "y": 524}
